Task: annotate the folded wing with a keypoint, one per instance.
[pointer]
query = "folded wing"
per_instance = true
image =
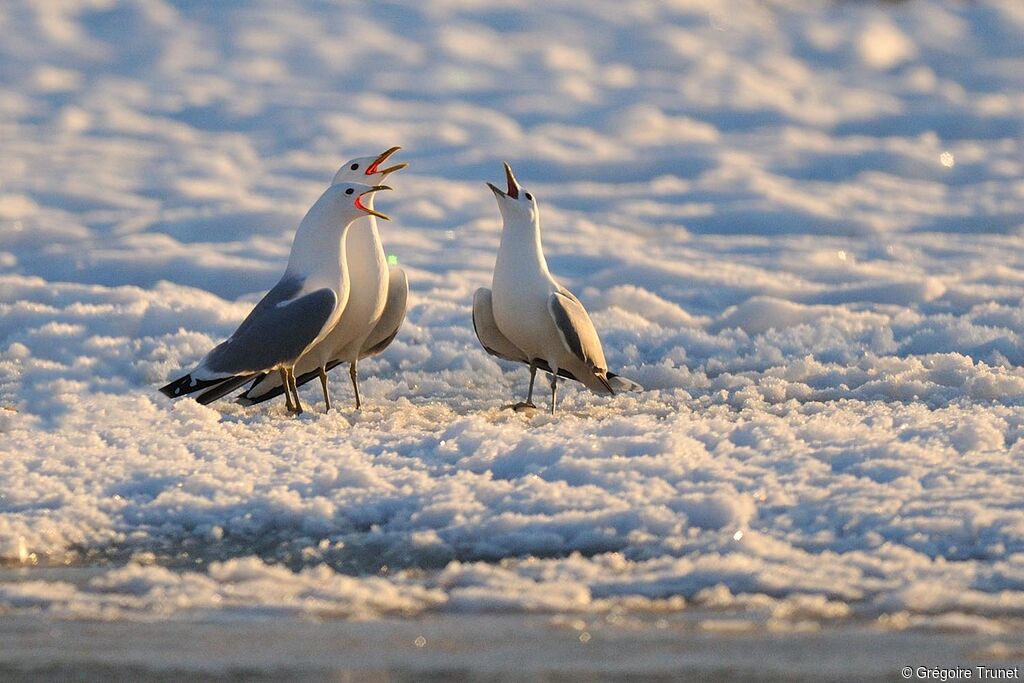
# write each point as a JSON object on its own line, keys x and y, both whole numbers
{"x": 277, "y": 331}
{"x": 578, "y": 334}
{"x": 491, "y": 338}
{"x": 391, "y": 319}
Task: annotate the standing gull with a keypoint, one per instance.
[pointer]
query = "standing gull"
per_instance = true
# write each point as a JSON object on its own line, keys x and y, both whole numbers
{"x": 528, "y": 317}
{"x": 376, "y": 304}
{"x": 299, "y": 311}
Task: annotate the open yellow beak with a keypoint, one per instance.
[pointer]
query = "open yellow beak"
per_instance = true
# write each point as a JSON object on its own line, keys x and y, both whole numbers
{"x": 375, "y": 166}
{"x": 361, "y": 207}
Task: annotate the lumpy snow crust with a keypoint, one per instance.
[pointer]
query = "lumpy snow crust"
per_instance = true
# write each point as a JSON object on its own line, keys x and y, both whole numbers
{"x": 797, "y": 224}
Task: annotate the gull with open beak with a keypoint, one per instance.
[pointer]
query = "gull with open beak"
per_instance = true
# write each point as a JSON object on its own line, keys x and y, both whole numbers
{"x": 527, "y": 316}
{"x": 376, "y": 305}
{"x": 298, "y": 313}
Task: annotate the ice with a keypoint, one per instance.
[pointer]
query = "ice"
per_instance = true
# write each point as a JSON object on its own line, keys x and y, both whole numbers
{"x": 799, "y": 226}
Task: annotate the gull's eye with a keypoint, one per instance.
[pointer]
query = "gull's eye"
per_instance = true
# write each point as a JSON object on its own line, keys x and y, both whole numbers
{"x": 529, "y": 196}
{"x": 348, "y": 191}
{"x": 354, "y": 167}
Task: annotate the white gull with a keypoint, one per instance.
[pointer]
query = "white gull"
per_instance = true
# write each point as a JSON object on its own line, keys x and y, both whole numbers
{"x": 376, "y": 304}
{"x": 297, "y": 313}
{"x": 527, "y": 316}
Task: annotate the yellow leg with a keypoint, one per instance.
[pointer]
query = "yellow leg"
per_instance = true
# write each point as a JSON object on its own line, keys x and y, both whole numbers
{"x": 287, "y": 390}
{"x": 533, "y": 376}
{"x": 354, "y": 374}
{"x": 327, "y": 393}
{"x": 295, "y": 390}
{"x": 554, "y": 386}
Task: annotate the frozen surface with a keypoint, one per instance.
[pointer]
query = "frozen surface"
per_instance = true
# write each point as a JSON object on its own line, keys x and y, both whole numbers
{"x": 798, "y": 224}
{"x": 460, "y": 647}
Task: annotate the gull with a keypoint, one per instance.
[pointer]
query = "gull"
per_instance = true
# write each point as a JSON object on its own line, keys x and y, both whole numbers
{"x": 528, "y": 317}
{"x": 376, "y": 304}
{"x": 298, "y": 312}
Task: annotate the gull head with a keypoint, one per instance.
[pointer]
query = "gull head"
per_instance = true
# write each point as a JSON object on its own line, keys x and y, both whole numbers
{"x": 346, "y": 199}
{"x": 368, "y": 170}
{"x": 515, "y": 203}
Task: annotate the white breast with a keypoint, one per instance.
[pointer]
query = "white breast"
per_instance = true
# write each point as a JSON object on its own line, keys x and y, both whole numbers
{"x": 520, "y": 290}
{"x": 367, "y": 294}
{"x": 368, "y": 273}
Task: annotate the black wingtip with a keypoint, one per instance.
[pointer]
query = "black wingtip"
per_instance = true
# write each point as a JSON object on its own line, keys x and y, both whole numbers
{"x": 178, "y": 387}
{"x": 623, "y": 383}
{"x": 224, "y": 388}
{"x": 187, "y": 385}
{"x": 244, "y": 399}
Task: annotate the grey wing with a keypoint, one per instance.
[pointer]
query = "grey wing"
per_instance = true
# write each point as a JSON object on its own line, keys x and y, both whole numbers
{"x": 393, "y": 316}
{"x": 486, "y": 328}
{"x": 277, "y": 331}
{"x": 577, "y": 330}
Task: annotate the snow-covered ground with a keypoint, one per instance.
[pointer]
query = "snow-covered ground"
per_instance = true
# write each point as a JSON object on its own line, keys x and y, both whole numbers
{"x": 798, "y": 224}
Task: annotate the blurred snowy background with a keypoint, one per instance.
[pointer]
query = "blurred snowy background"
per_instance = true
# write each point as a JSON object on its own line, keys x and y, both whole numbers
{"x": 797, "y": 223}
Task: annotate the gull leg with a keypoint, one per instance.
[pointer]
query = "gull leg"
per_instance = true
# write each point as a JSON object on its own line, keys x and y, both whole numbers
{"x": 554, "y": 387}
{"x": 520, "y": 407}
{"x": 533, "y": 376}
{"x": 327, "y": 393}
{"x": 354, "y": 374}
{"x": 287, "y": 390}
{"x": 295, "y": 390}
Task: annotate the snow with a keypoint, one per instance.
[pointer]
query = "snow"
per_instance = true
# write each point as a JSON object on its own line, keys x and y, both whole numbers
{"x": 798, "y": 225}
